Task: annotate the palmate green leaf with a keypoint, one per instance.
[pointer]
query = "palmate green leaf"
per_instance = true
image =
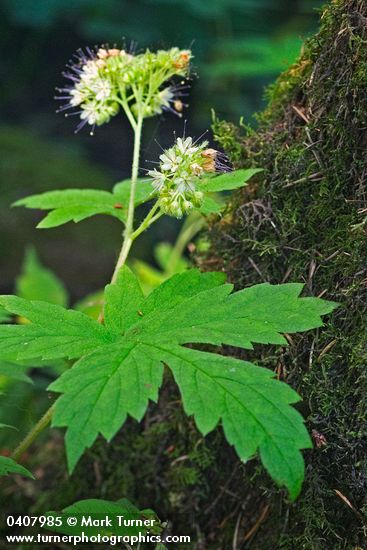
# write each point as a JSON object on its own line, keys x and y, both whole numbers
{"x": 78, "y": 204}
{"x": 36, "y": 282}
{"x": 252, "y": 405}
{"x": 124, "y": 370}
{"x": 9, "y": 466}
{"x": 216, "y": 316}
{"x": 101, "y": 390}
{"x": 53, "y": 332}
{"x": 228, "y": 181}
{"x": 213, "y": 202}
{"x": 143, "y": 191}
{"x": 141, "y": 521}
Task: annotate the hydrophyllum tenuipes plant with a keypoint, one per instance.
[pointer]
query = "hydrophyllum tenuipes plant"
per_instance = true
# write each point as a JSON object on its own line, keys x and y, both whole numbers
{"x": 119, "y": 359}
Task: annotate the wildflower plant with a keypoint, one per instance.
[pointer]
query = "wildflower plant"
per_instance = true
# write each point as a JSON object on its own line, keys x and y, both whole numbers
{"x": 119, "y": 358}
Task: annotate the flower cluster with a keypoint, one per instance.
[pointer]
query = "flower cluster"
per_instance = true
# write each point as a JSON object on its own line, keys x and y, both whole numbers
{"x": 180, "y": 169}
{"x": 107, "y": 79}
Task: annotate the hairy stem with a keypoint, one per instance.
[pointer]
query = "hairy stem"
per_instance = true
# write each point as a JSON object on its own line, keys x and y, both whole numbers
{"x": 129, "y": 229}
{"x": 148, "y": 221}
{"x": 134, "y": 175}
{"x": 122, "y": 257}
{"x": 34, "y": 433}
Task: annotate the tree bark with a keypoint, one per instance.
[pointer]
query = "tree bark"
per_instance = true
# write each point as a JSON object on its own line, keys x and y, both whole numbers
{"x": 305, "y": 220}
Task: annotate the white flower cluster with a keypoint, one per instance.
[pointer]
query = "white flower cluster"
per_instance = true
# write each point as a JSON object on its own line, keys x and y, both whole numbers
{"x": 179, "y": 174}
{"x": 105, "y": 80}
{"x": 93, "y": 91}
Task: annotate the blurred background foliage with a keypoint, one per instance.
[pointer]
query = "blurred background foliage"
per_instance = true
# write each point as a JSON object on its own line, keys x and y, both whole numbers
{"x": 239, "y": 46}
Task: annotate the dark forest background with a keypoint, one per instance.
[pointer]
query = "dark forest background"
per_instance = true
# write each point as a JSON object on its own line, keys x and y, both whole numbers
{"x": 239, "y": 47}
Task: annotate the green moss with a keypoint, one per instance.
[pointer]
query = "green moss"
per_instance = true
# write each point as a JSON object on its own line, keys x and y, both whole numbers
{"x": 305, "y": 222}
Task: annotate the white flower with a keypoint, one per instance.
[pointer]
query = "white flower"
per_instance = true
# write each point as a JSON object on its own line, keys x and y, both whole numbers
{"x": 77, "y": 97}
{"x": 186, "y": 147}
{"x": 169, "y": 161}
{"x": 102, "y": 88}
{"x": 166, "y": 97}
{"x": 158, "y": 179}
{"x": 161, "y": 102}
{"x": 89, "y": 113}
{"x": 89, "y": 71}
{"x": 197, "y": 169}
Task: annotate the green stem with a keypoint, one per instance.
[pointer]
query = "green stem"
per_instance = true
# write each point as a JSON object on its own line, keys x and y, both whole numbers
{"x": 124, "y": 252}
{"x": 148, "y": 221}
{"x": 34, "y": 433}
{"x": 124, "y": 102}
{"x": 134, "y": 175}
{"x": 129, "y": 228}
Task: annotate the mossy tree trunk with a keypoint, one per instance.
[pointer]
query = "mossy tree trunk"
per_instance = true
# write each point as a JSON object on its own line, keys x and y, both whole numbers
{"x": 304, "y": 219}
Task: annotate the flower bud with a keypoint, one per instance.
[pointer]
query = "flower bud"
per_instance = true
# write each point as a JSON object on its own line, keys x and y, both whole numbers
{"x": 114, "y": 51}
{"x": 102, "y": 53}
{"x": 182, "y": 60}
{"x": 209, "y": 164}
